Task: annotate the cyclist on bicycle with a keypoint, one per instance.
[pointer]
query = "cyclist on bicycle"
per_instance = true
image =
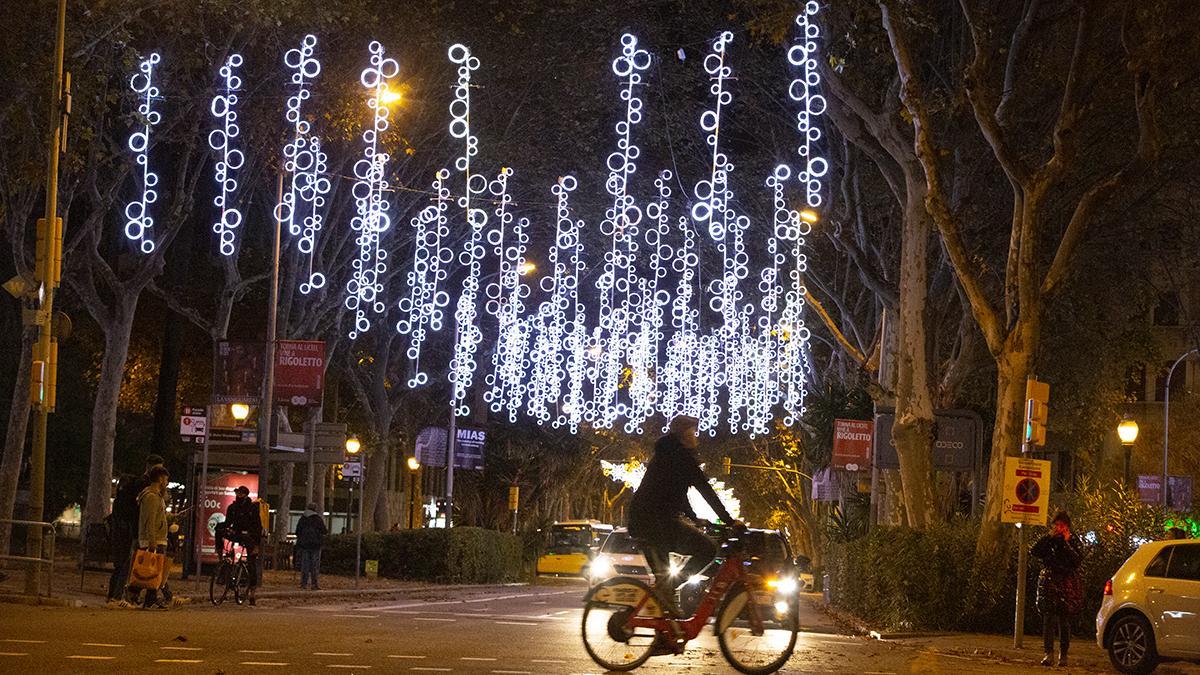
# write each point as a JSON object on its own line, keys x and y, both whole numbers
{"x": 243, "y": 526}
{"x": 660, "y": 514}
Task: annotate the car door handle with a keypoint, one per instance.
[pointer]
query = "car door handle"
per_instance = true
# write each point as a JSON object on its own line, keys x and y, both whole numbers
{"x": 1154, "y": 590}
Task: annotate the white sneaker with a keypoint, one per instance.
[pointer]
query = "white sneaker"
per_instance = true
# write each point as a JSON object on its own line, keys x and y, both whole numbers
{"x": 1048, "y": 659}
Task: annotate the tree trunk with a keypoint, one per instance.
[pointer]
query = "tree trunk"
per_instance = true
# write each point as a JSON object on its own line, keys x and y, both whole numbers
{"x": 165, "y": 410}
{"x": 14, "y": 439}
{"x": 319, "y": 488}
{"x": 912, "y": 431}
{"x": 1012, "y": 368}
{"x": 373, "y": 484}
{"x": 283, "y": 510}
{"x": 104, "y": 413}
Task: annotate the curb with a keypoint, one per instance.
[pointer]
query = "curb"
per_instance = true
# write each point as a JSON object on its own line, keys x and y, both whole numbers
{"x": 36, "y": 600}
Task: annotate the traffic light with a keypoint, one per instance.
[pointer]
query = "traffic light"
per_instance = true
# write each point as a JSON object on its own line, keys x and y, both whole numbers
{"x": 1037, "y": 399}
{"x": 726, "y": 465}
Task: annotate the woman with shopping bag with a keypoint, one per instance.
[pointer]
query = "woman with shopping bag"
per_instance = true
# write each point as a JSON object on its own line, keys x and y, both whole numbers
{"x": 150, "y": 566}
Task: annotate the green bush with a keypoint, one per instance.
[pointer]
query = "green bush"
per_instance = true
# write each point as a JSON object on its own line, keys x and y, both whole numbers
{"x": 460, "y": 555}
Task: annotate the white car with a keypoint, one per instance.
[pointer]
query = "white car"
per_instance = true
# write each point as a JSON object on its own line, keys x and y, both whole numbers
{"x": 1151, "y": 608}
{"x": 619, "y": 556}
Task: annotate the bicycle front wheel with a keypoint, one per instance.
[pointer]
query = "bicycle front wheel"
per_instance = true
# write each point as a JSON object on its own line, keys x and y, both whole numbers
{"x": 218, "y": 583}
{"x": 240, "y": 582}
{"x": 757, "y": 630}
{"x": 607, "y": 637}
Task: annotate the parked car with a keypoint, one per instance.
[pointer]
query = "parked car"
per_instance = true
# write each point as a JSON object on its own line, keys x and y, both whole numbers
{"x": 1151, "y": 607}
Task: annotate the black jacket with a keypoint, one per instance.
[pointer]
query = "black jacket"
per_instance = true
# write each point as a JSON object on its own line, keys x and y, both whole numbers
{"x": 125, "y": 503}
{"x": 663, "y": 492}
{"x": 242, "y": 516}
{"x": 1059, "y": 588}
{"x": 310, "y": 532}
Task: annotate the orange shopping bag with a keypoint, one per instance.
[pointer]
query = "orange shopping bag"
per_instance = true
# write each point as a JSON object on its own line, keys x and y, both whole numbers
{"x": 147, "y": 570}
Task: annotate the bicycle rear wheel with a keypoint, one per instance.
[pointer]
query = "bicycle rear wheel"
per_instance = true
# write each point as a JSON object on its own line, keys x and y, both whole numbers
{"x": 218, "y": 583}
{"x": 611, "y": 643}
{"x": 757, "y": 631}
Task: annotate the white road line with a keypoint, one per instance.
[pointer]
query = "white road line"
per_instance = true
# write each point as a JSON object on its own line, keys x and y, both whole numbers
{"x": 258, "y": 651}
{"x": 514, "y": 672}
{"x": 356, "y": 616}
{"x": 179, "y": 660}
{"x": 430, "y": 618}
{"x": 100, "y": 644}
{"x": 405, "y": 656}
{"x": 14, "y": 653}
{"x": 516, "y": 623}
{"x": 262, "y": 663}
{"x": 548, "y": 661}
{"x": 88, "y": 657}
{"x": 347, "y": 665}
{"x": 433, "y": 670}
{"x": 477, "y": 658}
{"x": 332, "y": 654}
{"x": 26, "y": 642}
{"x": 183, "y": 649}
{"x": 494, "y": 598}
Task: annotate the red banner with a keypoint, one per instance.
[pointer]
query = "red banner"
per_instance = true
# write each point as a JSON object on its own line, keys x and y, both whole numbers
{"x": 299, "y": 372}
{"x": 216, "y": 498}
{"x": 852, "y": 444}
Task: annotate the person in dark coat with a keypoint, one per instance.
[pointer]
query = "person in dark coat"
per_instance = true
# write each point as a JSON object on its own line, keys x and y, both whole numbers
{"x": 310, "y": 535}
{"x": 123, "y": 527}
{"x": 243, "y": 525}
{"x": 1060, "y": 592}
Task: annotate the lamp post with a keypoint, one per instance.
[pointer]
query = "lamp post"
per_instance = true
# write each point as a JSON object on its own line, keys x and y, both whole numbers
{"x": 353, "y": 447}
{"x": 414, "y": 467}
{"x": 1167, "y": 420}
{"x": 1127, "y": 431}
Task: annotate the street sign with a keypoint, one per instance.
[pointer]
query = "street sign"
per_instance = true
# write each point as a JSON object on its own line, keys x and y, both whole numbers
{"x": 192, "y": 424}
{"x": 852, "y": 444}
{"x": 352, "y": 468}
{"x": 955, "y": 445}
{"x": 299, "y": 372}
{"x": 514, "y": 497}
{"x": 1026, "y": 491}
{"x": 232, "y": 436}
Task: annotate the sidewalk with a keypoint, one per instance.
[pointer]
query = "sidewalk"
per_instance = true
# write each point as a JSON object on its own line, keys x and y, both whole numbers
{"x": 281, "y": 586}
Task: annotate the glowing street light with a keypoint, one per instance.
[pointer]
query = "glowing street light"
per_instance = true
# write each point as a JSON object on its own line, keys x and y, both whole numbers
{"x": 390, "y": 97}
{"x": 1128, "y": 430}
{"x": 809, "y": 216}
{"x": 413, "y": 464}
{"x": 240, "y": 411}
{"x": 353, "y": 445}
{"x": 526, "y": 268}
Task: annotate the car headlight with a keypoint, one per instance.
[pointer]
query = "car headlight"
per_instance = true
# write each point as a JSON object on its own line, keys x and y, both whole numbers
{"x": 673, "y": 569}
{"x": 784, "y": 585}
{"x": 601, "y": 567}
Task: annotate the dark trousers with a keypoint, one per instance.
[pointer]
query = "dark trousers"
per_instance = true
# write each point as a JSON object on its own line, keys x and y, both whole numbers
{"x": 679, "y": 536}
{"x": 121, "y": 551}
{"x": 1056, "y": 623}
{"x": 310, "y": 565}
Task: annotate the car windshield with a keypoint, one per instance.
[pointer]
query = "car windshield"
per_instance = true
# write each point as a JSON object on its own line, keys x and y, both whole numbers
{"x": 620, "y": 543}
{"x": 570, "y": 539}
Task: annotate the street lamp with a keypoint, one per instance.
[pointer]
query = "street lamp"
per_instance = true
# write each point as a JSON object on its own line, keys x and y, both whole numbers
{"x": 1127, "y": 430}
{"x": 414, "y": 467}
{"x": 413, "y": 464}
{"x": 240, "y": 411}
{"x": 1167, "y": 420}
{"x": 526, "y": 267}
{"x": 353, "y": 445}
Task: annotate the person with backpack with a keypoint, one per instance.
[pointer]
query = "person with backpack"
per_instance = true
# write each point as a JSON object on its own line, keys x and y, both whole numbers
{"x": 1059, "y": 591}
{"x": 123, "y": 528}
{"x": 310, "y": 535}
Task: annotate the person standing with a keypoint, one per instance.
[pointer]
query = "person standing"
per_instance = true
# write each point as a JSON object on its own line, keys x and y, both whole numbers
{"x": 310, "y": 535}
{"x": 244, "y": 526}
{"x": 152, "y": 525}
{"x": 1059, "y": 592}
{"x": 123, "y": 527}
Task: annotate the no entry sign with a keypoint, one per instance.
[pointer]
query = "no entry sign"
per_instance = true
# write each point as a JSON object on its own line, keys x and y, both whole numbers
{"x": 1026, "y": 491}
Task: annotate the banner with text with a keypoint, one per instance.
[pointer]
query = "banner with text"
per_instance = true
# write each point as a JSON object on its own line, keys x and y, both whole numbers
{"x": 852, "y": 444}
{"x": 299, "y": 372}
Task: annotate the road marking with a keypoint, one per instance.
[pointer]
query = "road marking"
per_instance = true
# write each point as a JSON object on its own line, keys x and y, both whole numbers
{"x": 516, "y": 623}
{"x": 14, "y": 653}
{"x": 183, "y": 649}
{"x": 430, "y": 618}
{"x": 494, "y": 598}
{"x": 26, "y": 642}
{"x": 179, "y": 660}
{"x": 404, "y": 656}
{"x": 262, "y": 663}
{"x": 332, "y": 654}
{"x": 86, "y": 657}
{"x": 514, "y": 672}
{"x": 345, "y": 665}
{"x": 356, "y": 616}
{"x": 548, "y": 661}
{"x": 434, "y": 670}
{"x": 100, "y": 644}
{"x": 476, "y": 658}
{"x": 258, "y": 651}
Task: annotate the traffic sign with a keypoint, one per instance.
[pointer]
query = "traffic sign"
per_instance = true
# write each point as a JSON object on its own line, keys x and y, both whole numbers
{"x": 1026, "y": 491}
{"x": 352, "y": 468}
{"x": 193, "y": 422}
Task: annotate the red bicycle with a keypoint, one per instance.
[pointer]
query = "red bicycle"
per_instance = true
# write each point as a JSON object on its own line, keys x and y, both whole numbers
{"x": 756, "y": 626}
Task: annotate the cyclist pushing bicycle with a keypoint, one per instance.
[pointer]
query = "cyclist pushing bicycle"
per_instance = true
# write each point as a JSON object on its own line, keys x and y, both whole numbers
{"x": 625, "y": 622}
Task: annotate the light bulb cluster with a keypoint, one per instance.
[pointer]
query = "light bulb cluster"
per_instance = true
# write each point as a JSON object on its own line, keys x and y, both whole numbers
{"x": 229, "y": 158}
{"x": 305, "y": 164}
{"x": 364, "y": 290}
{"x": 138, "y": 221}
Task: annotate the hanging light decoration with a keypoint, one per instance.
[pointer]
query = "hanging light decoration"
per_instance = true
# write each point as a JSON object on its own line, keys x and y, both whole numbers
{"x": 138, "y": 221}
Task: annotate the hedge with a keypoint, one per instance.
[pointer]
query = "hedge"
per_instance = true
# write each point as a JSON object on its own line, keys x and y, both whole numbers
{"x": 460, "y": 555}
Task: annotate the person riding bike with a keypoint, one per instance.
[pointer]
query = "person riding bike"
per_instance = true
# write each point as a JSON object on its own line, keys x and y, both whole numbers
{"x": 660, "y": 515}
{"x": 242, "y": 525}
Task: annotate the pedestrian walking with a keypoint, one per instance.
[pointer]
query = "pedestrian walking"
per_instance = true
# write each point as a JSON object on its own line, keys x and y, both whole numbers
{"x": 123, "y": 527}
{"x": 310, "y": 536}
{"x": 152, "y": 527}
{"x": 1059, "y": 592}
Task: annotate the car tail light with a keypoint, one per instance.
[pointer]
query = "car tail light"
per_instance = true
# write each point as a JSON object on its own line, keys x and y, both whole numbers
{"x": 1108, "y": 587}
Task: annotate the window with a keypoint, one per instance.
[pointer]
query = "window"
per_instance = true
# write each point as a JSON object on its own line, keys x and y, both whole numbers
{"x": 1135, "y": 382}
{"x": 1178, "y": 381}
{"x": 1166, "y": 312}
{"x": 1185, "y": 562}
{"x": 1158, "y": 566}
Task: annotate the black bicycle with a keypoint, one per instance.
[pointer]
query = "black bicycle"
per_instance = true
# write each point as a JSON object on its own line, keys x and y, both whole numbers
{"x": 231, "y": 576}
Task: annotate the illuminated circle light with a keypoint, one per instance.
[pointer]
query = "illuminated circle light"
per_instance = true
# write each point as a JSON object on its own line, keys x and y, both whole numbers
{"x": 138, "y": 221}
{"x": 230, "y": 159}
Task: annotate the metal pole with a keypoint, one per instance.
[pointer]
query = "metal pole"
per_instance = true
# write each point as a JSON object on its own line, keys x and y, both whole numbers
{"x": 37, "y": 460}
{"x": 1167, "y": 422}
{"x": 266, "y": 419}
{"x": 358, "y": 530}
{"x": 202, "y": 491}
{"x": 311, "y": 448}
{"x": 450, "y": 443}
{"x": 1022, "y": 554}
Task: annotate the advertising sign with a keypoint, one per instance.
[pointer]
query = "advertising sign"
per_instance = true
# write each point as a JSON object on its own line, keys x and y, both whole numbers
{"x": 299, "y": 372}
{"x": 238, "y": 375}
{"x": 955, "y": 445}
{"x": 468, "y": 450}
{"x": 852, "y": 444}
{"x": 1179, "y": 491}
{"x": 1026, "y": 491}
{"x": 215, "y": 500}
